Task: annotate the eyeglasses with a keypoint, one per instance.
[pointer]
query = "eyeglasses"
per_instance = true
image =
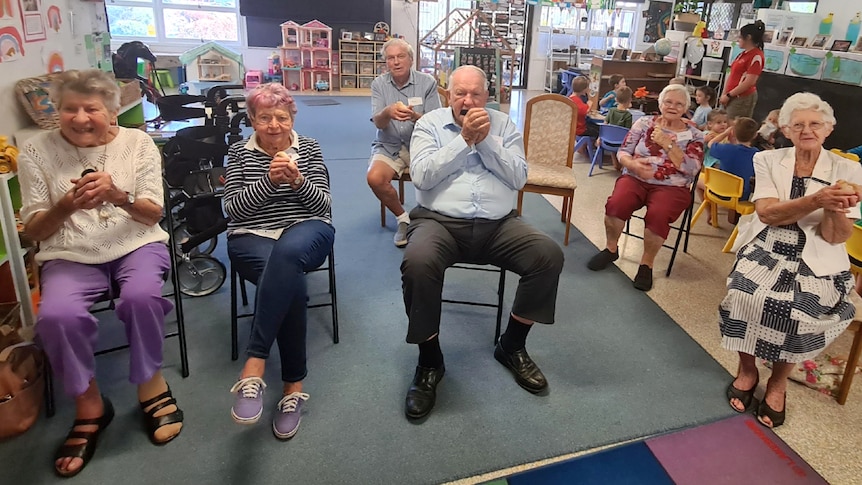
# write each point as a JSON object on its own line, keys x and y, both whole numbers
{"x": 670, "y": 104}
{"x": 267, "y": 119}
{"x": 814, "y": 126}
{"x": 400, "y": 57}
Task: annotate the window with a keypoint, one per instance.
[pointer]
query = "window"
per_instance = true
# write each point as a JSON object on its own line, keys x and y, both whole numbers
{"x": 174, "y": 21}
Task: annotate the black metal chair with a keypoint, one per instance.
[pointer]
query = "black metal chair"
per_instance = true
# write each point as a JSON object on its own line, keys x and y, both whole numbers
{"x": 684, "y": 227}
{"x": 501, "y": 291}
{"x": 238, "y": 282}
{"x": 106, "y": 302}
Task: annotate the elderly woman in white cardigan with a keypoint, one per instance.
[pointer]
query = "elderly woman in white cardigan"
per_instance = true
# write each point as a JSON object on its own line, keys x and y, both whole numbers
{"x": 788, "y": 293}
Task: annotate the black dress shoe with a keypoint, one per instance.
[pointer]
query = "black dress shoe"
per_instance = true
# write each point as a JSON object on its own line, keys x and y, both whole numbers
{"x": 527, "y": 373}
{"x": 423, "y": 391}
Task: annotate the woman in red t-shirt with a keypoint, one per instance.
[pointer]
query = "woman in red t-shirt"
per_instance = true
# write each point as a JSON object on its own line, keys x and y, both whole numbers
{"x": 740, "y": 91}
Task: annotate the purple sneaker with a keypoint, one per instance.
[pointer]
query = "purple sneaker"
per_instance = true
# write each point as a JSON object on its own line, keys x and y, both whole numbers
{"x": 288, "y": 415}
{"x": 249, "y": 400}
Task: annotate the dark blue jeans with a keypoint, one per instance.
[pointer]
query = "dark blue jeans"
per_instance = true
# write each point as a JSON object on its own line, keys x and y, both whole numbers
{"x": 278, "y": 269}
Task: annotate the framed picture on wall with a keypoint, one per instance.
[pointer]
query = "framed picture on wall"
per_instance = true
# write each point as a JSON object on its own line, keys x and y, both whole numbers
{"x": 799, "y": 41}
{"x": 31, "y": 20}
{"x": 820, "y": 41}
{"x": 783, "y": 37}
{"x": 768, "y": 36}
{"x": 840, "y": 46}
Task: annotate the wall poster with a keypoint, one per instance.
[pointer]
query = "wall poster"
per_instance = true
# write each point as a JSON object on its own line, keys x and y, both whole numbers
{"x": 31, "y": 20}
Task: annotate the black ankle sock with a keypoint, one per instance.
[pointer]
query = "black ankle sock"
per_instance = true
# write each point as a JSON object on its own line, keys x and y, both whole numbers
{"x": 515, "y": 337}
{"x": 430, "y": 354}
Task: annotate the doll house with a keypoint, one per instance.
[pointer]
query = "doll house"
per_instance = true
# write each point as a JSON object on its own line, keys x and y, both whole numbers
{"x": 211, "y": 63}
{"x": 306, "y": 54}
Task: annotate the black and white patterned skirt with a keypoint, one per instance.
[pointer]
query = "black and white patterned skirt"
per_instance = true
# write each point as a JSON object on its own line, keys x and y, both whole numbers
{"x": 776, "y": 308}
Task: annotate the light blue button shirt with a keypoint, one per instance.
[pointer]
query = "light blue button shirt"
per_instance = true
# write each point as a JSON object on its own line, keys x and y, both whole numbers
{"x": 466, "y": 182}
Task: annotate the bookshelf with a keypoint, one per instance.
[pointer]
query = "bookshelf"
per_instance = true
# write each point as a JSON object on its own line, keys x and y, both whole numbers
{"x": 360, "y": 62}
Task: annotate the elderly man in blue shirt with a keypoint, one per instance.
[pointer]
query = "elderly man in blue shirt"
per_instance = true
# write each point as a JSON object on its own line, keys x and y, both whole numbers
{"x": 398, "y": 99}
{"x": 467, "y": 164}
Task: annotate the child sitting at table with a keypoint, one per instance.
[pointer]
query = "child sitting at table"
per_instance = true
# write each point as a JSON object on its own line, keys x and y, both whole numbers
{"x": 620, "y": 114}
{"x": 609, "y": 100}
{"x": 580, "y": 86}
{"x": 705, "y": 97}
{"x": 737, "y": 158}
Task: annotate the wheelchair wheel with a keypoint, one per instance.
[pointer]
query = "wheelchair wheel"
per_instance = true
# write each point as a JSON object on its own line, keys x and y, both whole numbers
{"x": 200, "y": 275}
{"x": 181, "y": 235}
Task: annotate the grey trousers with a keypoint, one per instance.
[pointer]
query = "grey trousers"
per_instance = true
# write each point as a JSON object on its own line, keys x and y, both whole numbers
{"x": 436, "y": 242}
{"x": 742, "y": 106}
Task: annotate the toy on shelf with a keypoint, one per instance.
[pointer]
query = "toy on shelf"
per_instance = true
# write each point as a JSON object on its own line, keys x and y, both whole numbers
{"x": 8, "y": 156}
{"x": 641, "y": 92}
{"x": 253, "y": 79}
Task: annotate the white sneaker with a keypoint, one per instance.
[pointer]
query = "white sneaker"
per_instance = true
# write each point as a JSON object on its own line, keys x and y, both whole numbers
{"x": 400, "y": 238}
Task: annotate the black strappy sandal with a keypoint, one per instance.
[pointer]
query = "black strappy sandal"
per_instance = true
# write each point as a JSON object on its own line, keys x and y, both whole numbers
{"x": 85, "y": 450}
{"x": 745, "y": 397}
{"x": 777, "y": 417}
{"x": 153, "y": 422}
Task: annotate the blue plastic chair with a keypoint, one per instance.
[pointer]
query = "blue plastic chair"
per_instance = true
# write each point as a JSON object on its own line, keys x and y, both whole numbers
{"x": 611, "y": 138}
{"x": 587, "y": 141}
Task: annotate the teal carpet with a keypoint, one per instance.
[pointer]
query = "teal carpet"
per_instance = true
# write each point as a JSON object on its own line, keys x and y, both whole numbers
{"x": 618, "y": 367}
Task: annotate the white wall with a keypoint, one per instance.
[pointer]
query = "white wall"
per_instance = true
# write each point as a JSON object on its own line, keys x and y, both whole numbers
{"x": 69, "y": 41}
{"x": 844, "y": 11}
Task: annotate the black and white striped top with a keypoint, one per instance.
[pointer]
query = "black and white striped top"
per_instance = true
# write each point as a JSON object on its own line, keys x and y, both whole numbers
{"x": 253, "y": 202}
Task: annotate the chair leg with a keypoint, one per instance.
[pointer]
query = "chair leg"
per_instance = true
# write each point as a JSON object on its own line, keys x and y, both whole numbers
{"x": 597, "y": 157}
{"x": 700, "y": 210}
{"x": 401, "y": 191}
{"x": 520, "y": 201}
{"x": 382, "y": 215}
{"x": 178, "y": 308}
{"x": 566, "y": 203}
{"x": 850, "y": 367}
{"x": 569, "y": 220}
{"x": 501, "y": 291}
{"x": 682, "y": 229}
{"x": 234, "y": 345}
{"x": 730, "y": 240}
{"x": 50, "y": 408}
{"x": 333, "y": 296}
{"x": 713, "y": 210}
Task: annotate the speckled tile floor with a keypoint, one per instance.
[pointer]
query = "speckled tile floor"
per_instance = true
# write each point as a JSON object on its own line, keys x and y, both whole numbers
{"x": 827, "y": 435}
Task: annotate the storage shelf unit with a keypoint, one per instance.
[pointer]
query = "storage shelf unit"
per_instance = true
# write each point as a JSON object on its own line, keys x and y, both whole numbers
{"x": 11, "y": 252}
{"x": 637, "y": 74}
{"x": 360, "y": 62}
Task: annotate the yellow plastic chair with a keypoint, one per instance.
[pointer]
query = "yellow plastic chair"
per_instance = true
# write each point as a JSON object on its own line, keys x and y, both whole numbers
{"x": 723, "y": 189}
{"x": 854, "y": 250}
{"x": 848, "y": 156}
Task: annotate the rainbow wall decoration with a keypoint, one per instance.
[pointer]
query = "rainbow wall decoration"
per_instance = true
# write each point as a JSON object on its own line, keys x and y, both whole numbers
{"x": 54, "y": 62}
{"x": 54, "y": 18}
{"x": 11, "y": 47}
{"x": 5, "y": 8}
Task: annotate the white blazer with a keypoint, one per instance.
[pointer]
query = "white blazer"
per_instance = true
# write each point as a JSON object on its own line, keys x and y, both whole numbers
{"x": 773, "y": 170}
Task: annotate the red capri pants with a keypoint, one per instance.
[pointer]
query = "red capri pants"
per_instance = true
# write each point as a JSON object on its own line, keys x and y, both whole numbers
{"x": 664, "y": 203}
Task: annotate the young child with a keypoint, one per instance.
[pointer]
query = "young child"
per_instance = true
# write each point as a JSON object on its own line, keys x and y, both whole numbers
{"x": 769, "y": 127}
{"x": 580, "y": 86}
{"x": 716, "y": 123}
{"x": 609, "y": 100}
{"x": 737, "y": 158}
{"x": 677, "y": 80}
{"x": 705, "y": 97}
{"x": 620, "y": 116}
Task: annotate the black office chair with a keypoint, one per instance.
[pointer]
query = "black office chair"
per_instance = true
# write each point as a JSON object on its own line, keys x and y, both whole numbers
{"x": 684, "y": 227}
{"x": 238, "y": 282}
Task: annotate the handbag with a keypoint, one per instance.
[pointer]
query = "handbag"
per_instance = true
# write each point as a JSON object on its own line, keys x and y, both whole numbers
{"x": 22, "y": 386}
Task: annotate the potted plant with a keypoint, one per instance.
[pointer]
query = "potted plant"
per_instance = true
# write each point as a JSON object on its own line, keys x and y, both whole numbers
{"x": 686, "y": 15}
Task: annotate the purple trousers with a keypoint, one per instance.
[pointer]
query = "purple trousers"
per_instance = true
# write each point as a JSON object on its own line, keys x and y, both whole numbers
{"x": 69, "y": 332}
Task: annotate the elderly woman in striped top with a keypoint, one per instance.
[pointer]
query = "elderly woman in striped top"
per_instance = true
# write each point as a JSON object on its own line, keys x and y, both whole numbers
{"x": 277, "y": 196}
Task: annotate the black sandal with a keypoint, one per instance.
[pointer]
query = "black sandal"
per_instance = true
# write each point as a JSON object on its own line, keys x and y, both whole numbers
{"x": 85, "y": 450}
{"x": 153, "y": 422}
{"x": 745, "y": 397}
{"x": 777, "y": 417}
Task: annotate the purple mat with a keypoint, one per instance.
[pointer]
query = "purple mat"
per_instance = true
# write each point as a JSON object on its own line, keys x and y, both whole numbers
{"x": 732, "y": 451}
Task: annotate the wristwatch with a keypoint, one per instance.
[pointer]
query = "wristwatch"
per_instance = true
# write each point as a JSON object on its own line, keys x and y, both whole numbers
{"x": 297, "y": 181}
{"x": 130, "y": 200}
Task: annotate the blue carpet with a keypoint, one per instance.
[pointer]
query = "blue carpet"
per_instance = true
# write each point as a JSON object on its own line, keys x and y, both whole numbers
{"x": 618, "y": 366}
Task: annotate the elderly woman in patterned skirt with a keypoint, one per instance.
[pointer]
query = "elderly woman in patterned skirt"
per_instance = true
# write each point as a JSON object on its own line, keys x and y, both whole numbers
{"x": 787, "y": 295}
